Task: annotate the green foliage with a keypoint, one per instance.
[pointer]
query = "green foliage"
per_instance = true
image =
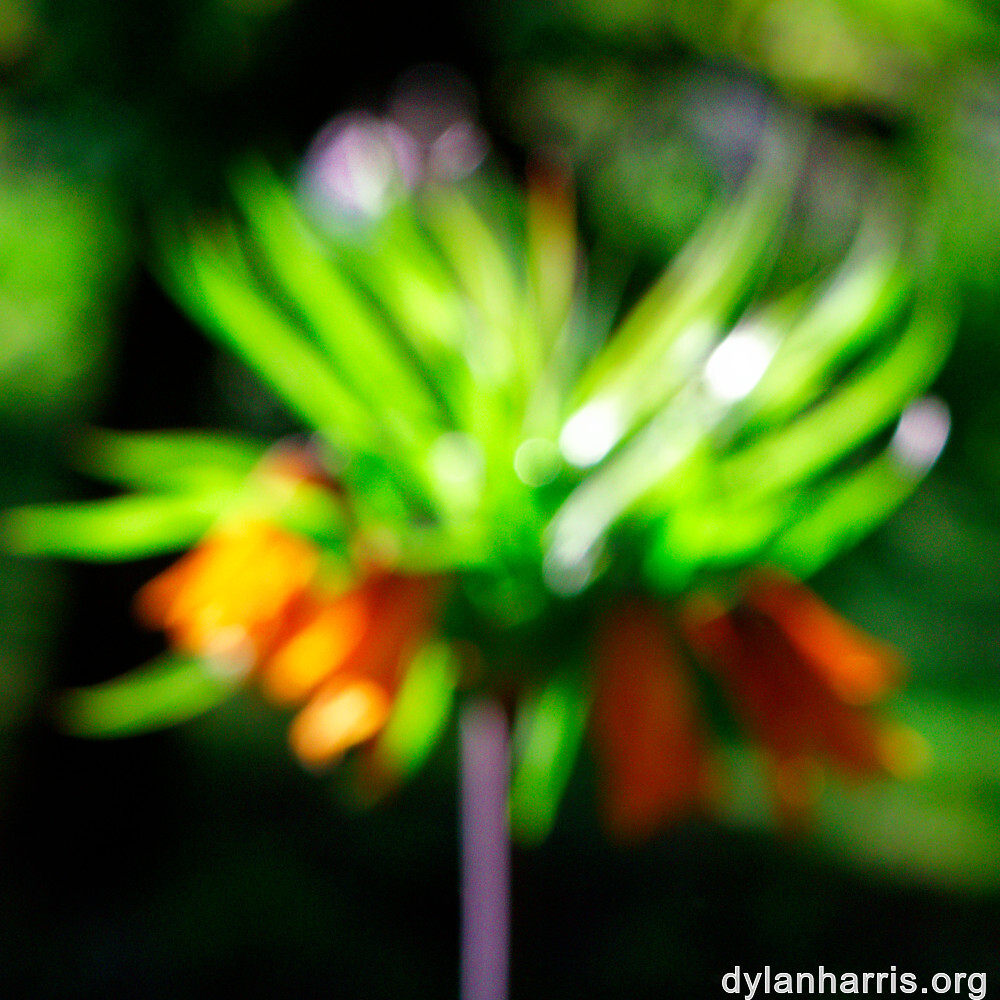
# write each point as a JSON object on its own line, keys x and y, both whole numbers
{"x": 645, "y": 433}
{"x": 195, "y": 480}
{"x": 548, "y": 732}
{"x": 440, "y": 353}
{"x": 163, "y": 693}
{"x": 128, "y": 527}
{"x": 421, "y": 711}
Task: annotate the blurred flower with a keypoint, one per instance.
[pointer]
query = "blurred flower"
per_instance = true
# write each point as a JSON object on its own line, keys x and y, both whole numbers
{"x": 228, "y": 598}
{"x": 645, "y": 724}
{"x": 802, "y": 679}
{"x": 348, "y": 658}
{"x": 250, "y": 597}
{"x": 442, "y": 359}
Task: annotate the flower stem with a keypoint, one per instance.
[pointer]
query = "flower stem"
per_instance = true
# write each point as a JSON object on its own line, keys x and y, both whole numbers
{"x": 485, "y": 849}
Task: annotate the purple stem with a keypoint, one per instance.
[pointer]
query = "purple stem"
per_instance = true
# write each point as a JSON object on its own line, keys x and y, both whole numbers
{"x": 485, "y": 847}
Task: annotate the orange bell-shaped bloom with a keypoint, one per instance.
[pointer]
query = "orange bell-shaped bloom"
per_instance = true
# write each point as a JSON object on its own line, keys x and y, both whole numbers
{"x": 322, "y": 634}
{"x": 855, "y": 666}
{"x": 347, "y": 655}
{"x": 228, "y": 598}
{"x": 250, "y": 597}
{"x": 797, "y": 674}
{"x": 347, "y": 711}
{"x": 645, "y": 724}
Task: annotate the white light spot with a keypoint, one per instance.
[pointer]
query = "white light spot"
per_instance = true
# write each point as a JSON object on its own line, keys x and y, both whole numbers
{"x": 536, "y": 462}
{"x": 567, "y": 574}
{"x": 357, "y": 163}
{"x": 921, "y": 434}
{"x": 590, "y": 433}
{"x": 456, "y": 460}
{"x": 737, "y": 364}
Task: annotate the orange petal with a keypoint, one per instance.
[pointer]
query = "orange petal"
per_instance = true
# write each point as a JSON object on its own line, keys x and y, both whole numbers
{"x": 644, "y": 724}
{"x": 856, "y": 667}
{"x": 344, "y": 712}
{"x": 321, "y": 642}
{"x": 240, "y": 580}
{"x": 401, "y": 614}
{"x": 795, "y": 715}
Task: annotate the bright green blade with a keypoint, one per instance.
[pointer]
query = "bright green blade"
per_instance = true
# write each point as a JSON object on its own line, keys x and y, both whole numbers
{"x": 655, "y": 456}
{"x": 405, "y": 274}
{"x": 659, "y": 456}
{"x": 486, "y": 276}
{"x": 801, "y": 530}
{"x": 408, "y": 278}
{"x": 122, "y": 528}
{"x": 716, "y": 533}
{"x": 422, "y": 709}
{"x": 170, "y": 460}
{"x": 851, "y": 414}
{"x": 839, "y": 514}
{"x": 664, "y": 340}
{"x": 547, "y": 736}
{"x": 162, "y": 693}
{"x": 212, "y": 281}
{"x": 355, "y": 336}
{"x": 841, "y": 322}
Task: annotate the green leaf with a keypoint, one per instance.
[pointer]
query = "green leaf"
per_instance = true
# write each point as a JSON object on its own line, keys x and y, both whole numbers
{"x": 662, "y": 342}
{"x": 486, "y": 275}
{"x": 851, "y": 414}
{"x": 213, "y": 282}
{"x": 662, "y": 451}
{"x": 799, "y": 529}
{"x": 408, "y": 278}
{"x": 405, "y": 273}
{"x": 841, "y": 513}
{"x": 121, "y": 528}
{"x": 421, "y": 711}
{"x": 547, "y": 736}
{"x": 363, "y": 349}
{"x": 175, "y": 460}
{"x": 167, "y": 691}
{"x": 717, "y": 532}
{"x": 844, "y": 318}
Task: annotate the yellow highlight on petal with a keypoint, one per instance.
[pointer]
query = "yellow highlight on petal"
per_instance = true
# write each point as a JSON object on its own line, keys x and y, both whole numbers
{"x": 344, "y": 713}
{"x": 317, "y": 649}
{"x": 242, "y": 576}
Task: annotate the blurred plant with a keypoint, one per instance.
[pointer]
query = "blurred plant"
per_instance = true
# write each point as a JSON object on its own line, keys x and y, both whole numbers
{"x": 495, "y": 500}
{"x": 486, "y": 481}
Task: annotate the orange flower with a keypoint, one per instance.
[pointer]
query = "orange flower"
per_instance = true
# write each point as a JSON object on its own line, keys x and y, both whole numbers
{"x": 798, "y": 675}
{"x": 856, "y": 667}
{"x": 229, "y": 597}
{"x": 249, "y": 597}
{"x": 645, "y": 724}
{"x": 349, "y": 656}
{"x": 345, "y": 712}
